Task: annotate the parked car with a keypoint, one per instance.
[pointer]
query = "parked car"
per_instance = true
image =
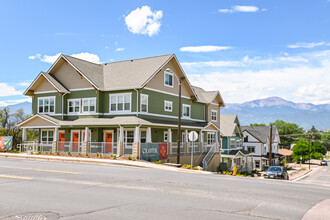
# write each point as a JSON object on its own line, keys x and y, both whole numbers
{"x": 323, "y": 163}
{"x": 276, "y": 172}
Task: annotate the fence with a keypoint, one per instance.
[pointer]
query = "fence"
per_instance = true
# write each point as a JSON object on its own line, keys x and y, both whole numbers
{"x": 28, "y": 147}
{"x": 102, "y": 147}
{"x": 66, "y": 146}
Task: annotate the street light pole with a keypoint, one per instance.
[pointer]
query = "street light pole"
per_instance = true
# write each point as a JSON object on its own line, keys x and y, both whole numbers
{"x": 270, "y": 145}
{"x": 179, "y": 123}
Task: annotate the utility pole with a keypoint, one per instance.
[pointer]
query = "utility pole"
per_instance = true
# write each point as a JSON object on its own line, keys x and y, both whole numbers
{"x": 179, "y": 123}
{"x": 270, "y": 145}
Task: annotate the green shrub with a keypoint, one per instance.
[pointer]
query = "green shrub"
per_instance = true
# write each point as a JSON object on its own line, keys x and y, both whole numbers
{"x": 222, "y": 167}
{"x": 69, "y": 153}
{"x": 86, "y": 154}
{"x": 129, "y": 157}
{"x": 134, "y": 159}
{"x": 46, "y": 152}
{"x": 57, "y": 152}
{"x": 115, "y": 156}
{"x": 39, "y": 152}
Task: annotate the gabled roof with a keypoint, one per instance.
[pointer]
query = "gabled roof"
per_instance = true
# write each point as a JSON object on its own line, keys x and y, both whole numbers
{"x": 207, "y": 96}
{"x": 132, "y": 73}
{"x": 228, "y": 124}
{"x": 56, "y": 84}
{"x": 262, "y": 133}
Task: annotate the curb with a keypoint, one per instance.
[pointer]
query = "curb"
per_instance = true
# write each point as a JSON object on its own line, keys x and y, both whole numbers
{"x": 304, "y": 175}
{"x": 139, "y": 164}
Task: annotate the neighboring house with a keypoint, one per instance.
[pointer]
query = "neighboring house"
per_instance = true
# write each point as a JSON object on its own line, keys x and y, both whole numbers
{"x": 257, "y": 141}
{"x": 119, "y": 105}
{"x": 232, "y": 143}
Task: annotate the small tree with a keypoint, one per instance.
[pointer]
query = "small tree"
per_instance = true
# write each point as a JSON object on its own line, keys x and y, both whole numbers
{"x": 300, "y": 150}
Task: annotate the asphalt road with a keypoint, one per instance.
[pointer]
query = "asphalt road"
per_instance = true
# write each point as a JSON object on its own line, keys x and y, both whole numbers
{"x": 34, "y": 189}
{"x": 320, "y": 177}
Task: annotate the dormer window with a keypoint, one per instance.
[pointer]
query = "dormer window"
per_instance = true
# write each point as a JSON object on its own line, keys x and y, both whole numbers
{"x": 168, "y": 78}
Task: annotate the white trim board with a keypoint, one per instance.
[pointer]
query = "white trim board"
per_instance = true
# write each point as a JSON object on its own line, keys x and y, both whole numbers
{"x": 167, "y": 93}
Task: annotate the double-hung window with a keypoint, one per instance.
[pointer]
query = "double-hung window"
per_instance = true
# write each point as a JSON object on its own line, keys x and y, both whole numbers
{"x": 46, "y": 105}
{"x": 168, "y": 106}
{"x": 88, "y": 105}
{"x": 144, "y": 103}
{"x": 251, "y": 149}
{"x": 168, "y": 78}
{"x": 73, "y": 106}
{"x": 186, "y": 111}
{"x": 47, "y": 136}
{"x": 120, "y": 102}
{"x": 214, "y": 115}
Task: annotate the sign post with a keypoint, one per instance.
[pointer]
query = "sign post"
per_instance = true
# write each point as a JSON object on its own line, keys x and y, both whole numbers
{"x": 193, "y": 136}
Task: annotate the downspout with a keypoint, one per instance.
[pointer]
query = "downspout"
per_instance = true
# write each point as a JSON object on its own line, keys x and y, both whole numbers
{"x": 63, "y": 105}
{"x": 137, "y": 102}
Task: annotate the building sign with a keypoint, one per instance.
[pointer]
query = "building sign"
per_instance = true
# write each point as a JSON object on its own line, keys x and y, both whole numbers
{"x": 149, "y": 151}
{"x": 6, "y": 143}
{"x": 162, "y": 151}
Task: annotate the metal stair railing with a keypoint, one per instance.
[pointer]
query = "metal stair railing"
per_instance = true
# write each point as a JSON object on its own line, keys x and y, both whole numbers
{"x": 208, "y": 157}
{"x": 201, "y": 154}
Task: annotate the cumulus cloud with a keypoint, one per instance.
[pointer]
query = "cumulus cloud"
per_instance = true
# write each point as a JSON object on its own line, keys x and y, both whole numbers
{"x": 307, "y": 45}
{"x": 8, "y": 90}
{"x": 303, "y": 82}
{"x": 241, "y": 8}
{"x": 204, "y": 48}
{"x": 119, "y": 49}
{"x": 52, "y": 58}
{"x": 144, "y": 21}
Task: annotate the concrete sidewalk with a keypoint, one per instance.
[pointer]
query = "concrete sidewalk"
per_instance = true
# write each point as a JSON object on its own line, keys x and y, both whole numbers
{"x": 119, "y": 162}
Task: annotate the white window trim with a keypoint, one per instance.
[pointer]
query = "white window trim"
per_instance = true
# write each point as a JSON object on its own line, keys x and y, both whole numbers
{"x": 47, "y": 97}
{"x": 147, "y": 96}
{"x": 71, "y": 135}
{"x": 185, "y": 105}
{"x": 169, "y": 72}
{"x": 73, "y": 113}
{"x": 216, "y": 115}
{"x": 41, "y": 130}
{"x": 165, "y": 135}
{"x": 119, "y": 94}
{"x": 82, "y": 105}
{"x": 168, "y": 102}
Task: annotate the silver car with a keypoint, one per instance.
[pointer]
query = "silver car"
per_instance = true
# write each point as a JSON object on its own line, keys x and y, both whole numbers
{"x": 323, "y": 163}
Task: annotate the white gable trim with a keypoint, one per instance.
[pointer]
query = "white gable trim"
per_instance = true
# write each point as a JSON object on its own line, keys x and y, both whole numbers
{"x": 61, "y": 56}
{"x": 40, "y": 116}
{"x": 35, "y": 80}
{"x": 210, "y": 123}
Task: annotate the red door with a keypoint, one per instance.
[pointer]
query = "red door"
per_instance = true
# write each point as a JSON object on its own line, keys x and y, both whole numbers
{"x": 62, "y": 139}
{"x": 75, "y": 140}
{"x": 108, "y": 142}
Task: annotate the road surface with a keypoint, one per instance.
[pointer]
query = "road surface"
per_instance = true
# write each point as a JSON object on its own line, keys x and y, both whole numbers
{"x": 41, "y": 189}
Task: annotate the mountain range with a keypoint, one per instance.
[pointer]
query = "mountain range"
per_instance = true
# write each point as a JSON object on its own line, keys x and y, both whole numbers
{"x": 263, "y": 111}
{"x": 270, "y": 109}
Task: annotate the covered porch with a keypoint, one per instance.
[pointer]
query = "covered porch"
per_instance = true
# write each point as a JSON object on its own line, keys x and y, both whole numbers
{"x": 121, "y": 136}
{"x": 241, "y": 158}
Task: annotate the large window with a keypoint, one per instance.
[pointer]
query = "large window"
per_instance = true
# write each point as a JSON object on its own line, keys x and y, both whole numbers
{"x": 257, "y": 163}
{"x": 144, "y": 103}
{"x": 47, "y": 136}
{"x": 46, "y": 105}
{"x": 120, "y": 102}
{"x": 73, "y": 106}
{"x": 168, "y": 78}
{"x": 251, "y": 149}
{"x": 88, "y": 105}
{"x": 186, "y": 111}
{"x": 214, "y": 115}
{"x": 168, "y": 106}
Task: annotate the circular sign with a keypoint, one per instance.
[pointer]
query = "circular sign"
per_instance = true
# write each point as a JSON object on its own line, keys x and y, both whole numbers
{"x": 193, "y": 136}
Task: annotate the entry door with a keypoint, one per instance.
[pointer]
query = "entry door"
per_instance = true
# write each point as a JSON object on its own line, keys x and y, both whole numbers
{"x": 62, "y": 140}
{"x": 108, "y": 142}
{"x": 75, "y": 139}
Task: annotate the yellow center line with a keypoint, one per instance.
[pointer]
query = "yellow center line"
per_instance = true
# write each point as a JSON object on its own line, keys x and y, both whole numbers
{"x": 42, "y": 170}
{"x": 16, "y": 177}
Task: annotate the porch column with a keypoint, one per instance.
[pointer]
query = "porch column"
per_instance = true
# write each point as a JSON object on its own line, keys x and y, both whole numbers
{"x": 201, "y": 138}
{"x": 169, "y": 141}
{"x": 136, "y": 143}
{"x": 85, "y": 142}
{"x": 186, "y": 140}
{"x": 55, "y": 138}
{"x": 120, "y": 141}
{"x": 24, "y": 135}
{"x": 148, "y": 135}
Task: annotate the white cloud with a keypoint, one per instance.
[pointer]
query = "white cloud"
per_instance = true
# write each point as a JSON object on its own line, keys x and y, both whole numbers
{"x": 144, "y": 21}
{"x": 24, "y": 84}
{"x": 51, "y": 59}
{"x": 213, "y": 64}
{"x": 8, "y": 90}
{"x": 241, "y": 8}
{"x": 203, "y": 48}
{"x": 13, "y": 102}
{"x": 308, "y": 81}
{"x": 119, "y": 49}
{"x": 307, "y": 45}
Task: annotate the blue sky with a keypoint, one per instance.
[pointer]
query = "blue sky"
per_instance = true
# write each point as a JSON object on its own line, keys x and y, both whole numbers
{"x": 245, "y": 49}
